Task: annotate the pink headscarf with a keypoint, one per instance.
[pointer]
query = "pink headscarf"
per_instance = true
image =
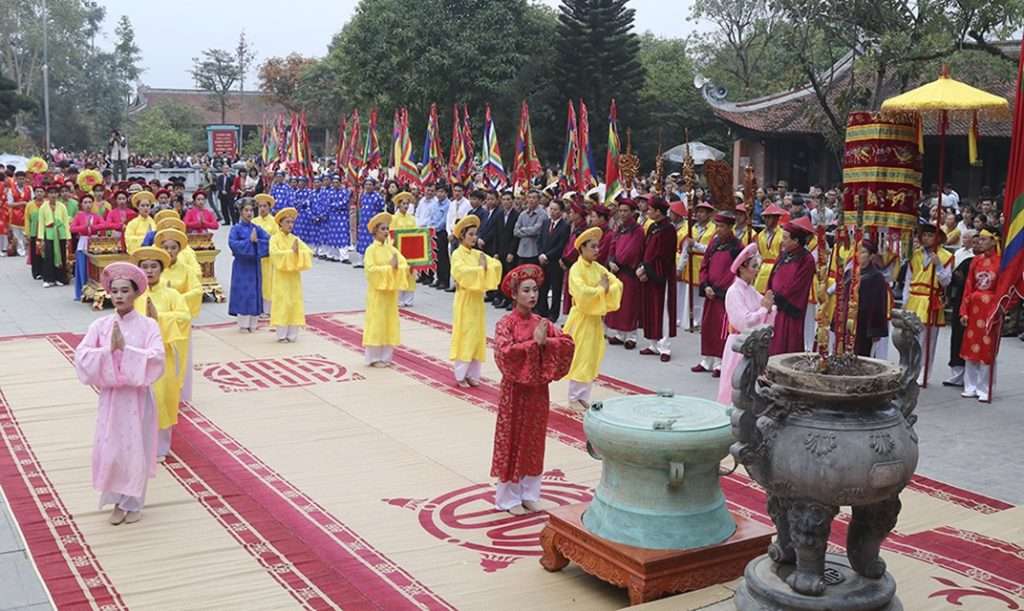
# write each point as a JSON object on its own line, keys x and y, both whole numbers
{"x": 122, "y": 270}
{"x": 746, "y": 253}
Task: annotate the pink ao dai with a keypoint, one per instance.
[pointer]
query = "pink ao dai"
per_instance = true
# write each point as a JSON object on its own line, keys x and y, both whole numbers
{"x": 124, "y": 445}
{"x": 744, "y": 311}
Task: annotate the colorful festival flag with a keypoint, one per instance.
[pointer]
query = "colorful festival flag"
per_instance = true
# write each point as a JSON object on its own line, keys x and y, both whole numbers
{"x": 371, "y": 152}
{"x": 525, "y": 166}
{"x": 585, "y": 160}
{"x": 571, "y": 155}
{"x": 457, "y": 155}
{"x": 494, "y": 168}
{"x": 613, "y": 186}
{"x": 433, "y": 156}
{"x": 405, "y": 168}
{"x": 341, "y": 152}
{"x": 467, "y": 144}
{"x": 354, "y": 162}
{"x": 1010, "y": 282}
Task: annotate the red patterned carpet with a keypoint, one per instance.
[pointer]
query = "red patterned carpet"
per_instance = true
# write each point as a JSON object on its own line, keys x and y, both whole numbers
{"x": 301, "y": 478}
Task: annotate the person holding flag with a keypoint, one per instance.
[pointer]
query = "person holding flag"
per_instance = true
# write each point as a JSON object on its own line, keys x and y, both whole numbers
{"x": 930, "y": 270}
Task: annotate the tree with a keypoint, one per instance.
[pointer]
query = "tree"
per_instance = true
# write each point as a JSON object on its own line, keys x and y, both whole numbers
{"x": 152, "y": 133}
{"x": 388, "y": 55}
{"x": 896, "y": 44}
{"x": 12, "y": 102}
{"x": 597, "y": 60}
{"x": 282, "y": 77}
{"x": 216, "y": 72}
{"x": 126, "y": 58}
{"x": 669, "y": 104}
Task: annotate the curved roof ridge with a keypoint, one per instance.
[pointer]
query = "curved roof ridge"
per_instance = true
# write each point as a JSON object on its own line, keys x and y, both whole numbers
{"x": 715, "y": 96}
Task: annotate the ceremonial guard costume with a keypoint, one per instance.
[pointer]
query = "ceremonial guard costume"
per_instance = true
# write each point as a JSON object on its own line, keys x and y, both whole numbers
{"x": 624, "y": 258}
{"x": 790, "y": 282}
{"x": 923, "y": 293}
{"x": 716, "y": 276}
{"x": 657, "y": 273}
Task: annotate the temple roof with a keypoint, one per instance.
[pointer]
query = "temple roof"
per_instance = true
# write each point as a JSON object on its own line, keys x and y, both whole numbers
{"x": 798, "y": 112}
{"x": 245, "y": 108}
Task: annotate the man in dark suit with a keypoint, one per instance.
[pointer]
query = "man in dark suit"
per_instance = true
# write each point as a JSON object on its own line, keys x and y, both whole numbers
{"x": 496, "y": 237}
{"x": 225, "y": 195}
{"x": 553, "y": 238}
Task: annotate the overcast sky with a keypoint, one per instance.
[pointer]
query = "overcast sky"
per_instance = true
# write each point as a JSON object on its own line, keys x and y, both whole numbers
{"x": 171, "y": 34}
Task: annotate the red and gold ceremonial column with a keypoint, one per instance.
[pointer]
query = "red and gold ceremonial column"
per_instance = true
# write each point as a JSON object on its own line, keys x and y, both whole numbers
{"x": 882, "y": 163}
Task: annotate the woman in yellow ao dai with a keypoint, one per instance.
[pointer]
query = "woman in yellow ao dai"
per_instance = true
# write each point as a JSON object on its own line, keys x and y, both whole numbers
{"x": 595, "y": 292}
{"x": 290, "y": 257}
{"x": 265, "y": 221}
{"x": 387, "y": 273}
{"x": 401, "y": 219}
{"x": 474, "y": 273}
{"x": 137, "y": 228}
{"x": 184, "y": 278}
{"x": 175, "y": 321}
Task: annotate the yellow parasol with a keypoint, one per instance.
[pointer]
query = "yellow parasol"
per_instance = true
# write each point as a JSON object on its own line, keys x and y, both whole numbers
{"x": 945, "y": 95}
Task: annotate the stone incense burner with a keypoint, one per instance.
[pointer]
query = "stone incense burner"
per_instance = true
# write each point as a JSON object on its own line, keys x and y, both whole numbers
{"x": 817, "y": 439}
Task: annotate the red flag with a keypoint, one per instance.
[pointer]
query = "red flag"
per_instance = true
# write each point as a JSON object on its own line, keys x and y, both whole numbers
{"x": 467, "y": 143}
{"x": 1010, "y": 282}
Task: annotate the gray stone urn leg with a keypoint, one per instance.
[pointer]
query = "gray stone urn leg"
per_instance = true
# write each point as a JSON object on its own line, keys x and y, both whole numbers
{"x": 809, "y": 524}
{"x": 868, "y": 528}
{"x": 781, "y": 550}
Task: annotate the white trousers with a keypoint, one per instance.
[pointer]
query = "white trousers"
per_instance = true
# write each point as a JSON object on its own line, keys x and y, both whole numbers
{"x": 19, "y": 239}
{"x": 3, "y": 245}
{"x": 662, "y": 346}
{"x": 163, "y": 441}
{"x": 406, "y": 298}
{"x": 956, "y": 374}
{"x": 580, "y": 391}
{"x": 623, "y": 335}
{"x": 928, "y": 339}
{"x": 467, "y": 370}
{"x": 711, "y": 363}
{"x": 355, "y": 258}
{"x": 266, "y": 308}
{"x": 976, "y": 379}
{"x": 379, "y": 354}
{"x": 290, "y": 333}
{"x": 510, "y": 494}
{"x": 683, "y": 301}
{"x": 246, "y": 321}
{"x": 810, "y": 326}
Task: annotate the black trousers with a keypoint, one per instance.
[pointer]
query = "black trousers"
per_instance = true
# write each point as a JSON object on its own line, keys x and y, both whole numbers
{"x": 227, "y": 208}
{"x": 51, "y": 270}
{"x": 36, "y": 259}
{"x": 444, "y": 260}
{"x": 956, "y": 338}
{"x": 554, "y": 276}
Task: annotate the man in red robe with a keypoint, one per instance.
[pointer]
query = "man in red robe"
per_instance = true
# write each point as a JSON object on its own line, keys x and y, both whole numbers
{"x": 657, "y": 280}
{"x": 716, "y": 277}
{"x": 791, "y": 282}
{"x": 531, "y": 353}
{"x": 624, "y": 257}
{"x": 979, "y": 304}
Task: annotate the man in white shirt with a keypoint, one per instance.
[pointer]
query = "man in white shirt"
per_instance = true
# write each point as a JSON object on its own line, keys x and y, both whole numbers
{"x": 459, "y": 208}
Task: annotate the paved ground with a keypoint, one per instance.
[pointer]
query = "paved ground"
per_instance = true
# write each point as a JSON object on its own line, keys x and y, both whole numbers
{"x": 964, "y": 443}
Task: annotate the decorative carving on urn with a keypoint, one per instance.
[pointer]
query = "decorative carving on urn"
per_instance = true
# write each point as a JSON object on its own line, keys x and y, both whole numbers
{"x": 818, "y": 439}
